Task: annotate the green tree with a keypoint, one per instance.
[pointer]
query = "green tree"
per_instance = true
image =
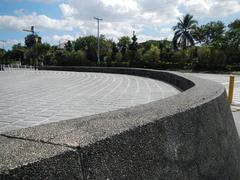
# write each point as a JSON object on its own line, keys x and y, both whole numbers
{"x": 105, "y": 47}
{"x": 184, "y": 32}
{"x": 151, "y": 57}
{"x": 118, "y": 57}
{"x": 114, "y": 51}
{"x": 31, "y": 39}
{"x": 213, "y": 34}
{"x": 17, "y": 53}
{"x": 2, "y": 55}
{"x": 233, "y": 34}
{"x": 49, "y": 58}
{"x": 77, "y": 58}
{"x": 199, "y": 34}
{"x": 29, "y": 56}
{"x": 61, "y": 57}
{"x": 43, "y": 50}
{"x": 148, "y": 44}
{"x": 133, "y": 45}
{"x": 133, "y": 55}
{"x": 89, "y": 45}
{"x": 68, "y": 46}
{"x": 123, "y": 44}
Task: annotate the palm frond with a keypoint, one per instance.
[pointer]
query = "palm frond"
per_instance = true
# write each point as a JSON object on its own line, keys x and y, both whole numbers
{"x": 184, "y": 31}
{"x": 189, "y": 38}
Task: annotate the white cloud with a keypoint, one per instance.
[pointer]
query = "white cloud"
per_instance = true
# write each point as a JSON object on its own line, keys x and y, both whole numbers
{"x": 143, "y": 38}
{"x": 119, "y": 17}
{"x": 41, "y": 22}
{"x": 67, "y": 10}
{"x": 12, "y": 42}
{"x": 212, "y": 8}
{"x": 55, "y": 39}
{"x": 34, "y": 1}
{"x": 165, "y": 30}
{"x": 63, "y": 37}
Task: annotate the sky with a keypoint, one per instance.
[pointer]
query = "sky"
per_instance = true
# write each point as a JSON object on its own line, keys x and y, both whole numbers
{"x": 62, "y": 20}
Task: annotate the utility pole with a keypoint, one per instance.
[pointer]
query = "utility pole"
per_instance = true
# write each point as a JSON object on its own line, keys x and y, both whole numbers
{"x": 30, "y": 30}
{"x": 35, "y": 44}
{"x": 98, "y": 50}
{"x": 3, "y": 41}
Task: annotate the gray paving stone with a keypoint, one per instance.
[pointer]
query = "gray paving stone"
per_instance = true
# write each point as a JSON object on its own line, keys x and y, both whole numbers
{"x": 35, "y": 97}
{"x": 2, "y": 124}
{"x": 7, "y": 119}
{"x": 23, "y": 123}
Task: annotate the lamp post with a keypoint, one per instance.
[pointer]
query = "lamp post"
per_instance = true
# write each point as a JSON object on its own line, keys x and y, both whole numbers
{"x": 98, "y": 50}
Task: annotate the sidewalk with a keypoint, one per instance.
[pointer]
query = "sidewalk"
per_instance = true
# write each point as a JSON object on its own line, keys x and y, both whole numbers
{"x": 236, "y": 116}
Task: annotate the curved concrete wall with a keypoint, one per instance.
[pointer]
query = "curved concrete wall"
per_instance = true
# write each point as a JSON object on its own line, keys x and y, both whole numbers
{"x": 188, "y": 136}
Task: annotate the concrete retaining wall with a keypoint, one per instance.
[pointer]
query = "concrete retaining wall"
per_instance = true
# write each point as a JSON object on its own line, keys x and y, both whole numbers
{"x": 188, "y": 136}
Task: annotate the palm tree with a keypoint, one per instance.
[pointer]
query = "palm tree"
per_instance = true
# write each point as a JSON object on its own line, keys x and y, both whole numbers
{"x": 184, "y": 31}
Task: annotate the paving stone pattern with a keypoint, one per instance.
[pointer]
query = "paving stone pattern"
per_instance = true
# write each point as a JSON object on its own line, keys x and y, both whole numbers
{"x": 29, "y": 98}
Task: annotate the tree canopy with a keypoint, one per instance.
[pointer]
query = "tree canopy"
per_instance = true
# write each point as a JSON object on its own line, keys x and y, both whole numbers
{"x": 184, "y": 32}
{"x": 210, "y": 46}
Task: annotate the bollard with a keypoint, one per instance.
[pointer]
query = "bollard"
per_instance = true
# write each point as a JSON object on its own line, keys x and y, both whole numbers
{"x": 230, "y": 89}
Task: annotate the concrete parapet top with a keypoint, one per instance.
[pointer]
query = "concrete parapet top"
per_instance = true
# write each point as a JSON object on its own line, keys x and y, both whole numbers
{"x": 171, "y": 123}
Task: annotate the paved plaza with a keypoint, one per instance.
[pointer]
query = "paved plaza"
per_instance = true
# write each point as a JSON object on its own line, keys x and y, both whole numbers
{"x": 30, "y": 98}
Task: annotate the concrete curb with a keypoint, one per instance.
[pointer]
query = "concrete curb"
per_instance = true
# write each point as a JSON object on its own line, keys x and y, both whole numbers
{"x": 188, "y": 136}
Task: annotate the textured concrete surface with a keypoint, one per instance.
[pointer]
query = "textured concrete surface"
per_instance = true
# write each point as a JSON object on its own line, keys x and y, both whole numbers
{"x": 36, "y": 160}
{"x": 30, "y": 98}
{"x": 236, "y": 116}
{"x": 187, "y": 136}
{"x": 224, "y": 80}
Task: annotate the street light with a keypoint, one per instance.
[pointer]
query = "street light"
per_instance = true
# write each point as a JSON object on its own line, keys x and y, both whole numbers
{"x": 98, "y": 51}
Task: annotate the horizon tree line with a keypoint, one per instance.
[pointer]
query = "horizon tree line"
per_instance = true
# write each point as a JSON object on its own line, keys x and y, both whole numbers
{"x": 212, "y": 46}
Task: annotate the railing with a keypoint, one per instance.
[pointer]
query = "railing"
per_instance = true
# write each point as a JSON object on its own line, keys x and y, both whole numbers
{"x": 8, "y": 67}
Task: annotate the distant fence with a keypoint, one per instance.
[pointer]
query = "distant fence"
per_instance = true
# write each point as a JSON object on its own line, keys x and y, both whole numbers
{"x": 191, "y": 135}
{"x": 6, "y": 67}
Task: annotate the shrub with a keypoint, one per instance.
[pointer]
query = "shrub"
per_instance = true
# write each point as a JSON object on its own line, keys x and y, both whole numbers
{"x": 217, "y": 60}
{"x": 118, "y": 57}
{"x": 179, "y": 57}
{"x": 151, "y": 58}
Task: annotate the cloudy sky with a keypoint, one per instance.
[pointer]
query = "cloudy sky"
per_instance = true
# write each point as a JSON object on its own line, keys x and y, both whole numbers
{"x": 61, "y": 20}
